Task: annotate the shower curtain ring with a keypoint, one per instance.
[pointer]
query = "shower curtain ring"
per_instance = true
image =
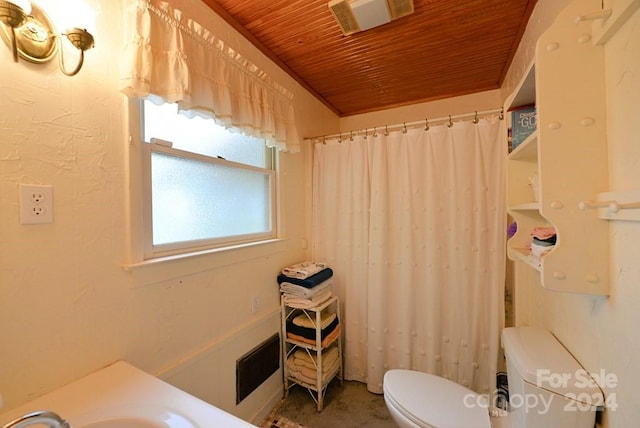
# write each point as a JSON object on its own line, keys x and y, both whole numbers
{"x": 386, "y": 131}
{"x": 404, "y": 127}
{"x": 365, "y": 133}
{"x": 375, "y": 133}
{"x": 450, "y": 124}
{"x": 324, "y": 140}
{"x": 475, "y": 118}
{"x": 340, "y": 137}
{"x": 501, "y": 117}
{"x": 426, "y": 124}
{"x": 351, "y": 137}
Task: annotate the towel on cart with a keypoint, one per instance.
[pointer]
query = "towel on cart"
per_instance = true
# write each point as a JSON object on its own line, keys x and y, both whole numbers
{"x": 307, "y": 362}
{"x": 300, "y": 303}
{"x": 304, "y": 270}
{"x": 309, "y": 320}
{"x": 310, "y": 376}
{"x": 310, "y": 333}
{"x": 294, "y": 290}
{"x": 309, "y": 282}
{"x": 328, "y": 340}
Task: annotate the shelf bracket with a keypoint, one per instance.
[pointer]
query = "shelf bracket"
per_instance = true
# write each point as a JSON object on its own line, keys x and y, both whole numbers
{"x": 601, "y": 14}
{"x": 622, "y": 10}
{"x": 619, "y": 205}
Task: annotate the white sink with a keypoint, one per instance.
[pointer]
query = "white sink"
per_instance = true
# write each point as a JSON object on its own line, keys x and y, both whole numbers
{"x": 134, "y": 417}
{"x": 124, "y": 423}
{"x": 138, "y": 416}
{"x": 122, "y": 396}
{"x": 145, "y": 417}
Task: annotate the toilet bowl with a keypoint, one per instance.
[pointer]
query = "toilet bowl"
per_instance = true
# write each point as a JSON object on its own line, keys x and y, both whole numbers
{"x": 535, "y": 360}
{"x": 413, "y": 398}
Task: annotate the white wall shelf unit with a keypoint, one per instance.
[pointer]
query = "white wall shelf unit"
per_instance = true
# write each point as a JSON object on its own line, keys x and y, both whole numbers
{"x": 315, "y": 351}
{"x": 569, "y": 154}
{"x": 529, "y": 206}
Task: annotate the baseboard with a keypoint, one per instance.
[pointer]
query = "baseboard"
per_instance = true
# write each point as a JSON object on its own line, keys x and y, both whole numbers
{"x": 262, "y": 414}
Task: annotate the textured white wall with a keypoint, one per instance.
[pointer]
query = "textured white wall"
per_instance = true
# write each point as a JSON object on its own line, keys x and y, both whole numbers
{"x": 601, "y": 332}
{"x": 543, "y": 15}
{"x": 67, "y": 307}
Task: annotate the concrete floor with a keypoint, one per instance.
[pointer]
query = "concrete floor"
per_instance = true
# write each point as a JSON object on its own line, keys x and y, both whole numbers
{"x": 349, "y": 405}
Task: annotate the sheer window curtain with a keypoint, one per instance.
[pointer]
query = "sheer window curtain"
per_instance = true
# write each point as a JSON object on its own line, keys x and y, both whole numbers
{"x": 414, "y": 226}
{"x": 169, "y": 57}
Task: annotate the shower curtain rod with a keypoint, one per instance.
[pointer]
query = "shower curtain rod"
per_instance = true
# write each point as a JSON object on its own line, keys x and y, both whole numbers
{"x": 404, "y": 126}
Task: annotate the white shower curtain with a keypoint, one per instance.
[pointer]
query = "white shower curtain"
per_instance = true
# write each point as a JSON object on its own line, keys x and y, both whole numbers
{"x": 413, "y": 225}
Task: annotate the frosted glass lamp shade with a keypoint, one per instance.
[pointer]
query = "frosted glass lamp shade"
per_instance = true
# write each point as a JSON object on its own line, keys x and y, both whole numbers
{"x": 75, "y": 14}
{"x": 13, "y": 14}
{"x": 25, "y": 5}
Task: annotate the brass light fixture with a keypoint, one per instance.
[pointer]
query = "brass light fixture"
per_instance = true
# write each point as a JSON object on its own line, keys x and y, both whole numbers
{"x": 31, "y": 35}
{"x": 13, "y": 14}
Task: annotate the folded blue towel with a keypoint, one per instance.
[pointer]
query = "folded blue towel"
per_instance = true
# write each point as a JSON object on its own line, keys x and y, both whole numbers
{"x": 310, "y": 282}
{"x": 310, "y": 333}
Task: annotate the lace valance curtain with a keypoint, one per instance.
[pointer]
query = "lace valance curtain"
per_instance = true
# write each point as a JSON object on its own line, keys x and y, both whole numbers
{"x": 169, "y": 57}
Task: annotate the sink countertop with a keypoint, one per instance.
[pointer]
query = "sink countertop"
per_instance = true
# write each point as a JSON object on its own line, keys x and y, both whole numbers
{"x": 121, "y": 390}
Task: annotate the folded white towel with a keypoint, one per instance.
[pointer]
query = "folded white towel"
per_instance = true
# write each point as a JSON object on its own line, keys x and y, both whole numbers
{"x": 304, "y": 292}
{"x": 538, "y": 252}
{"x": 300, "y": 303}
{"x": 304, "y": 270}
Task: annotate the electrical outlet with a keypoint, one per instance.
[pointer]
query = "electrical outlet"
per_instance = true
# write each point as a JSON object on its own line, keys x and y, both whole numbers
{"x": 36, "y": 197}
{"x": 36, "y": 204}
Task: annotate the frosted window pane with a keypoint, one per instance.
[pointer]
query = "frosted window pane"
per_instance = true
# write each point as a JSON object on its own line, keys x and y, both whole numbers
{"x": 195, "y": 200}
{"x": 202, "y": 136}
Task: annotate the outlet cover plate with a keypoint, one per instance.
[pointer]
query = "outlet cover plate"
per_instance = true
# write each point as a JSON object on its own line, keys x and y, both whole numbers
{"x": 36, "y": 204}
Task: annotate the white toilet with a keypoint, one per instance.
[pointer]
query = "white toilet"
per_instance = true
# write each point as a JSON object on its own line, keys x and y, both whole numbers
{"x": 536, "y": 361}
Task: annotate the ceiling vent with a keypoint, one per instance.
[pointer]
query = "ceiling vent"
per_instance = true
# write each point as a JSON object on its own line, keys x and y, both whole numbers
{"x": 361, "y": 15}
{"x": 400, "y": 8}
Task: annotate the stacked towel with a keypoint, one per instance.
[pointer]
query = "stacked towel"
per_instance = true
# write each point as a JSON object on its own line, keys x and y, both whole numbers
{"x": 309, "y": 282}
{"x": 544, "y": 232}
{"x": 294, "y": 290}
{"x": 303, "y": 270}
{"x": 312, "y": 302}
{"x": 543, "y": 240}
{"x": 305, "y": 285}
{"x": 303, "y": 327}
{"x": 303, "y": 365}
{"x": 308, "y": 321}
{"x": 328, "y": 339}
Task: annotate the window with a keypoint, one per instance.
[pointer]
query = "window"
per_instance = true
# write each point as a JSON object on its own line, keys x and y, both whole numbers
{"x": 203, "y": 186}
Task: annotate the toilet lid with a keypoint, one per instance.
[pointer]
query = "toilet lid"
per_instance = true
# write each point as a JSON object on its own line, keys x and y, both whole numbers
{"x": 435, "y": 401}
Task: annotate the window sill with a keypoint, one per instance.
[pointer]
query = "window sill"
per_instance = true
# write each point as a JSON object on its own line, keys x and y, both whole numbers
{"x": 168, "y": 268}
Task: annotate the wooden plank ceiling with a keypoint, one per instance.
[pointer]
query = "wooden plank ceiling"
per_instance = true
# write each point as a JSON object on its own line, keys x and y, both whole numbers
{"x": 445, "y": 48}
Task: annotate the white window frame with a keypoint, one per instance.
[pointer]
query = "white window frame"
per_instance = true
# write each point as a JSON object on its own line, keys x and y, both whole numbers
{"x": 141, "y": 226}
{"x": 153, "y": 251}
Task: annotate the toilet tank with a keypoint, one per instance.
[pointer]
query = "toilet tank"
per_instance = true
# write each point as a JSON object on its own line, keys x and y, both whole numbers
{"x": 547, "y": 386}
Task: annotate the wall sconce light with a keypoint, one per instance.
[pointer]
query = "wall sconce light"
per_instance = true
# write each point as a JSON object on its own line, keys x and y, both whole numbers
{"x": 31, "y": 35}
